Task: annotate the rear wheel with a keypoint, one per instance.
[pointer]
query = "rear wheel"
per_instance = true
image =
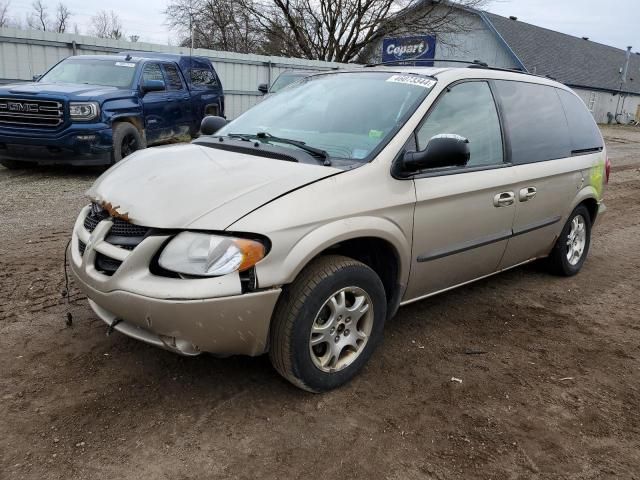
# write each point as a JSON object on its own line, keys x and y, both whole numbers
{"x": 126, "y": 140}
{"x": 328, "y": 323}
{"x": 572, "y": 247}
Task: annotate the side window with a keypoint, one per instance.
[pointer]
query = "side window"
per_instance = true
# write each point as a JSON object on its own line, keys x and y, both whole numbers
{"x": 534, "y": 120}
{"x": 467, "y": 109}
{"x": 203, "y": 77}
{"x": 583, "y": 131}
{"x": 174, "y": 82}
{"x": 152, "y": 72}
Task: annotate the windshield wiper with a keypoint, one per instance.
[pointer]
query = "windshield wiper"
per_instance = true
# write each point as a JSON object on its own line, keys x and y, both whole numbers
{"x": 267, "y": 137}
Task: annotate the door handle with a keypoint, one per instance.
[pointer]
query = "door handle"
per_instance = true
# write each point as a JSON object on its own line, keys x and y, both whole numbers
{"x": 504, "y": 199}
{"x": 527, "y": 194}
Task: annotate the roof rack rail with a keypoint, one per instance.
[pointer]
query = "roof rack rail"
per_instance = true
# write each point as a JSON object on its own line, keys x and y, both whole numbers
{"x": 479, "y": 63}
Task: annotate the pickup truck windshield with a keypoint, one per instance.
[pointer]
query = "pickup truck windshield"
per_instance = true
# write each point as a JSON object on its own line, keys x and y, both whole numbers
{"x": 110, "y": 73}
{"x": 346, "y": 114}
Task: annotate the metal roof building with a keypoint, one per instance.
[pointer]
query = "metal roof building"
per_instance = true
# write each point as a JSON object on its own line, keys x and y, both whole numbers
{"x": 595, "y": 71}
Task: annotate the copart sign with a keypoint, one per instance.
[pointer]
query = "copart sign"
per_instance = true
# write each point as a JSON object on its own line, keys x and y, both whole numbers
{"x": 415, "y": 50}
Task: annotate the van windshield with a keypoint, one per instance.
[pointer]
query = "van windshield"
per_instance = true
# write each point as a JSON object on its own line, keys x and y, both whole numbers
{"x": 346, "y": 114}
{"x": 109, "y": 73}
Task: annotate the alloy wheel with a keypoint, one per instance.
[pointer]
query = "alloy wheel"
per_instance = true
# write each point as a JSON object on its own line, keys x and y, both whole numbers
{"x": 341, "y": 329}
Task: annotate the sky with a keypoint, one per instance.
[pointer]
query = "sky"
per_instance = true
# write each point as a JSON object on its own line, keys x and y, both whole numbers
{"x": 613, "y": 23}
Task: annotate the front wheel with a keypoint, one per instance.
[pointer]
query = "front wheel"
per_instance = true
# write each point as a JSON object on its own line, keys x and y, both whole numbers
{"x": 126, "y": 140}
{"x": 572, "y": 247}
{"x": 327, "y": 323}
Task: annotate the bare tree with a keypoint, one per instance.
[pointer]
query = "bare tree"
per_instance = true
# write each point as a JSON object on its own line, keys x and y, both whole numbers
{"x": 106, "y": 25}
{"x": 333, "y": 30}
{"x": 215, "y": 24}
{"x": 63, "y": 15}
{"x": 39, "y": 18}
{"x": 4, "y": 13}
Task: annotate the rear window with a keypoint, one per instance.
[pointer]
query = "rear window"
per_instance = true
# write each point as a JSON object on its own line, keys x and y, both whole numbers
{"x": 534, "y": 120}
{"x": 584, "y": 133}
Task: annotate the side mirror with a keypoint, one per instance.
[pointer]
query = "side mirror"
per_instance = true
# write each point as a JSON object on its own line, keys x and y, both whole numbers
{"x": 263, "y": 88}
{"x": 444, "y": 150}
{"x": 37, "y": 77}
{"x": 211, "y": 124}
{"x": 152, "y": 86}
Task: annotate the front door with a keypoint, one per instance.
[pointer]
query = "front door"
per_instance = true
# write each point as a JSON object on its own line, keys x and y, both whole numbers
{"x": 463, "y": 216}
{"x": 155, "y": 106}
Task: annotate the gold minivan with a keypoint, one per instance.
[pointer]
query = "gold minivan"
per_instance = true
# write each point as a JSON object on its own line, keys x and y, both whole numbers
{"x": 299, "y": 228}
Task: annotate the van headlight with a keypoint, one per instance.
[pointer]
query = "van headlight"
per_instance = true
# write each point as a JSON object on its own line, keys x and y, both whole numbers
{"x": 208, "y": 255}
{"x": 83, "y": 111}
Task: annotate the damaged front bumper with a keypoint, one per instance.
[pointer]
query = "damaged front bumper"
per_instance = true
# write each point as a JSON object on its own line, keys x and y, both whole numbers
{"x": 187, "y": 316}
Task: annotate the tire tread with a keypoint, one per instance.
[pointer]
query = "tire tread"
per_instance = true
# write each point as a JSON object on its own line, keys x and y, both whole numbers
{"x": 290, "y": 305}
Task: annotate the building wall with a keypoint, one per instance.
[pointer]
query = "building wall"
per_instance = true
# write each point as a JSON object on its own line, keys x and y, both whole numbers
{"x": 474, "y": 42}
{"x": 24, "y": 54}
{"x": 600, "y": 103}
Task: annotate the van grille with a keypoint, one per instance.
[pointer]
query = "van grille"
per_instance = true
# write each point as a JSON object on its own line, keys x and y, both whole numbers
{"x": 122, "y": 234}
{"x": 31, "y": 112}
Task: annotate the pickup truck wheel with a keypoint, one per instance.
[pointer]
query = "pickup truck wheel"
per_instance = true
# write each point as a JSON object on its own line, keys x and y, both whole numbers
{"x": 16, "y": 164}
{"x": 572, "y": 246}
{"x": 327, "y": 323}
{"x": 126, "y": 140}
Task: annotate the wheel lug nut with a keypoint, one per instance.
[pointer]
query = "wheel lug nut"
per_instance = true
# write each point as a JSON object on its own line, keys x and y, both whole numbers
{"x": 333, "y": 329}
{"x": 337, "y": 338}
{"x": 346, "y": 332}
{"x": 339, "y": 317}
{"x": 348, "y": 319}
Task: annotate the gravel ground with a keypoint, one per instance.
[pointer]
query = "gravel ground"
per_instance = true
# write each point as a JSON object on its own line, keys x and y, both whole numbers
{"x": 555, "y": 395}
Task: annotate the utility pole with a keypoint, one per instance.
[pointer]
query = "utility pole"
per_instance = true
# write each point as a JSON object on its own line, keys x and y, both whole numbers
{"x": 623, "y": 81}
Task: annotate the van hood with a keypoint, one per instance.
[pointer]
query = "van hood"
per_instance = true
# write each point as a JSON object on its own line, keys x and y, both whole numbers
{"x": 191, "y": 186}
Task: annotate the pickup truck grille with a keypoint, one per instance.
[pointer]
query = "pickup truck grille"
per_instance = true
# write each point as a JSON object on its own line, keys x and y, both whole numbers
{"x": 31, "y": 112}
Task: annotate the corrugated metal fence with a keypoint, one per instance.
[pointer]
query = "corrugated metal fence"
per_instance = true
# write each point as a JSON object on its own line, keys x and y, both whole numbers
{"x": 25, "y": 53}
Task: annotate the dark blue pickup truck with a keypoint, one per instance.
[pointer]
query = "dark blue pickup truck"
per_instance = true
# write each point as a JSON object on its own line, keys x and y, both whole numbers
{"x": 96, "y": 110}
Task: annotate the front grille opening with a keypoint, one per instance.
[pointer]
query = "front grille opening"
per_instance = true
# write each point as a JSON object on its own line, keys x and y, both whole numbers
{"x": 122, "y": 234}
{"x": 106, "y": 265}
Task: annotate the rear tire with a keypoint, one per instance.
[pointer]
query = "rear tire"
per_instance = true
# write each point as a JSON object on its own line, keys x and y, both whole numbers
{"x": 126, "y": 140}
{"x": 571, "y": 248}
{"x": 327, "y": 323}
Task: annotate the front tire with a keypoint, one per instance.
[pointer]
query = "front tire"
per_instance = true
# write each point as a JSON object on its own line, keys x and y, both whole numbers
{"x": 15, "y": 164}
{"x": 571, "y": 248}
{"x": 126, "y": 140}
{"x": 327, "y": 323}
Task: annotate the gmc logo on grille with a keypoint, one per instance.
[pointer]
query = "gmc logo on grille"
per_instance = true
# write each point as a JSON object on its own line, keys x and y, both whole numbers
{"x": 22, "y": 107}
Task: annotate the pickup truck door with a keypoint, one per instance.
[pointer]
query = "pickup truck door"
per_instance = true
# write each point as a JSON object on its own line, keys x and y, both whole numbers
{"x": 463, "y": 215}
{"x": 155, "y": 107}
{"x": 179, "y": 100}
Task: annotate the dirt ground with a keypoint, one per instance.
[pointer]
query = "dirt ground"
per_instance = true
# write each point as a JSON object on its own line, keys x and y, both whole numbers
{"x": 555, "y": 395}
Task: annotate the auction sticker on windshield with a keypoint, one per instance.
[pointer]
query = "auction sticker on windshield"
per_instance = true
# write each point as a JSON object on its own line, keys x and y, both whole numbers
{"x": 412, "y": 80}
{"x": 125, "y": 64}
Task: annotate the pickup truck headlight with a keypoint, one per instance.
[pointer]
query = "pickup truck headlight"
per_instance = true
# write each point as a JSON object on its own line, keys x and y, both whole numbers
{"x": 83, "y": 111}
{"x": 208, "y": 255}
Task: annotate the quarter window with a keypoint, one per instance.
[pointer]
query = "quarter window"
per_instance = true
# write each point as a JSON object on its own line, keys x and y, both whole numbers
{"x": 174, "y": 82}
{"x": 583, "y": 130}
{"x": 203, "y": 77}
{"x": 535, "y": 121}
{"x": 467, "y": 109}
